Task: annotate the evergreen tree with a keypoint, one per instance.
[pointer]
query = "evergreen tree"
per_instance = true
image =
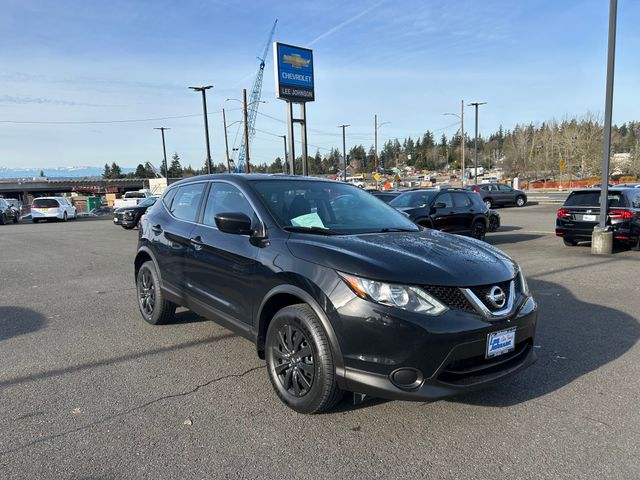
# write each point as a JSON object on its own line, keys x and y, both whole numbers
{"x": 116, "y": 171}
{"x": 107, "y": 171}
{"x": 140, "y": 172}
{"x": 42, "y": 173}
{"x": 175, "y": 169}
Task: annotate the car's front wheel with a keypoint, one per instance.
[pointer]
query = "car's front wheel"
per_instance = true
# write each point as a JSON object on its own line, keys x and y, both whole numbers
{"x": 520, "y": 201}
{"x": 488, "y": 203}
{"x": 299, "y": 361}
{"x": 494, "y": 223}
{"x": 154, "y": 308}
{"x": 479, "y": 230}
{"x": 3, "y": 219}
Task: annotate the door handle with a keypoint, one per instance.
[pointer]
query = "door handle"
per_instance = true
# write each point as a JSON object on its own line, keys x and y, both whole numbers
{"x": 156, "y": 228}
{"x": 197, "y": 242}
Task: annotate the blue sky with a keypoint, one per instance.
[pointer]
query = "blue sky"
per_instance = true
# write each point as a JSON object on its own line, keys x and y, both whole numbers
{"x": 407, "y": 61}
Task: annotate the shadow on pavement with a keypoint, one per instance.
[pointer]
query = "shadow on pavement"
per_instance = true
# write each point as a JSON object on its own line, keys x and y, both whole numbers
{"x": 573, "y": 338}
{"x": 511, "y": 238}
{"x": 16, "y": 321}
{"x": 508, "y": 228}
{"x": 186, "y": 316}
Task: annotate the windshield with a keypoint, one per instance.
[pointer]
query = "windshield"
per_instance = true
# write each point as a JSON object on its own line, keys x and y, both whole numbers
{"x": 335, "y": 207}
{"x": 592, "y": 199}
{"x": 416, "y": 199}
{"x": 148, "y": 202}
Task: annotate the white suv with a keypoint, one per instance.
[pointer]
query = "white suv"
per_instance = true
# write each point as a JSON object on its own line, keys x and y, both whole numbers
{"x": 45, "y": 208}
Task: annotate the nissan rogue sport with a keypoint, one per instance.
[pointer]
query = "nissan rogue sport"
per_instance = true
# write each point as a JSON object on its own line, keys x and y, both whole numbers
{"x": 337, "y": 290}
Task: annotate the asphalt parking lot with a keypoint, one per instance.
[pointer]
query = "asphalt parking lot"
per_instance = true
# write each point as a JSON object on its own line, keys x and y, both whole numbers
{"x": 89, "y": 390}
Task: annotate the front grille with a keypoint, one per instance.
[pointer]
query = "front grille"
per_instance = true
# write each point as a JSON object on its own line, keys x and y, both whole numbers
{"x": 484, "y": 290}
{"x": 479, "y": 368}
{"x": 452, "y": 297}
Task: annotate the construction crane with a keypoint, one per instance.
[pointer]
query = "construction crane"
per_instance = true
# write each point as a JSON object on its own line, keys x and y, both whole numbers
{"x": 254, "y": 101}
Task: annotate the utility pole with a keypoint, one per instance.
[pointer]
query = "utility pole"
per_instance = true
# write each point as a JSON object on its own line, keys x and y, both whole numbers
{"x": 375, "y": 142}
{"x": 284, "y": 138}
{"x": 206, "y": 121}
{"x": 475, "y": 146}
{"x": 246, "y": 129}
{"x": 164, "y": 150}
{"x": 462, "y": 139}
{"x": 226, "y": 141}
{"x": 344, "y": 149}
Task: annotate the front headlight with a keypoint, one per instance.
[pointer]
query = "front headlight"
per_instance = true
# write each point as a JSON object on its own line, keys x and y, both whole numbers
{"x": 524, "y": 286}
{"x": 412, "y": 299}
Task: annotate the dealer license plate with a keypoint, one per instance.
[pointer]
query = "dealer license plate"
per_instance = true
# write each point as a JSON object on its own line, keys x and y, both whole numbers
{"x": 589, "y": 218}
{"x": 501, "y": 342}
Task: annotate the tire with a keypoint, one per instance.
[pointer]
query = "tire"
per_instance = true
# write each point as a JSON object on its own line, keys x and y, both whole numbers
{"x": 16, "y": 219}
{"x": 127, "y": 227}
{"x": 520, "y": 201}
{"x": 494, "y": 224}
{"x": 35, "y": 220}
{"x": 3, "y": 219}
{"x": 569, "y": 242}
{"x": 64, "y": 217}
{"x": 636, "y": 246}
{"x": 306, "y": 384}
{"x": 155, "y": 309}
{"x": 479, "y": 230}
{"x": 488, "y": 203}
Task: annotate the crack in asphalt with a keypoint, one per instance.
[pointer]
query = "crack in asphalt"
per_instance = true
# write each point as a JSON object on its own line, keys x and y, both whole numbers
{"x": 131, "y": 410}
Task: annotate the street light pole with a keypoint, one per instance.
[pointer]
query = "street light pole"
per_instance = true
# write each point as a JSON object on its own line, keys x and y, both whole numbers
{"x": 375, "y": 143}
{"x": 164, "y": 150}
{"x": 246, "y": 129}
{"x": 226, "y": 141}
{"x": 462, "y": 139}
{"x": 475, "y": 145}
{"x": 344, "y": 149}
{"x": 284, "y": 138}
{"x": 206, "y": 120}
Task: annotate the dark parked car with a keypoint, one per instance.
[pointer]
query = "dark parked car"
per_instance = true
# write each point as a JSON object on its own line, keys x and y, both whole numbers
{"x": 497, "y": 194}
{"x": 451, "y": 210}
{"x": 581, "y": 212}
{"x": 385, "y": 195}
{"x": 129, "y": 217}
{"x": 337, "y": 290}
{"x": 8, "y": 213}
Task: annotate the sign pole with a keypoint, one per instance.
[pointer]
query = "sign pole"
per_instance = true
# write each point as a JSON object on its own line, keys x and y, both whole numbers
{"x": 292, "y": 148}
{"x": 303, "y": 138}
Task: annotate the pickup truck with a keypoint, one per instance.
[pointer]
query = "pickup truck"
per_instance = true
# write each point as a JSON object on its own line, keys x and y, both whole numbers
{"x": 131, "y": 199}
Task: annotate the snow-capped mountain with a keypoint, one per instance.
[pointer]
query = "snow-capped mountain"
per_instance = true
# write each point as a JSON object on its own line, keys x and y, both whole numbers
{"x": 55, "y": 172}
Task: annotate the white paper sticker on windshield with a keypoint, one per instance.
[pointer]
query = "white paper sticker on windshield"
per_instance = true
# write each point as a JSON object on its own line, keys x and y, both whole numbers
{"x": 308, "y": 220}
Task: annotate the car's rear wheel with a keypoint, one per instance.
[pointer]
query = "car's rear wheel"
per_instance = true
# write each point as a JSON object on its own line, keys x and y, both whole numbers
{"x": 154, "y": 308}
{"x": 299, "y": 361}
{"x": 64, "y": 217}
{"x": 3, "y": 219}
{"x": 478, "y": 230}
{"x": 569, "y": 242}
{"x": 520, "y": 201}
{"x": 488, "y": 203}
{"x": 636, "y": 246}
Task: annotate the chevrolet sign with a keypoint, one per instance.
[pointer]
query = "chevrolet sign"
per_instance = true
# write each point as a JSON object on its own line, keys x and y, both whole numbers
{"x": 294, "y": 73}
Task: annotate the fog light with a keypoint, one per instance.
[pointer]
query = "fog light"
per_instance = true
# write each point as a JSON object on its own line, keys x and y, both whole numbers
{"x": 406, "y": 378}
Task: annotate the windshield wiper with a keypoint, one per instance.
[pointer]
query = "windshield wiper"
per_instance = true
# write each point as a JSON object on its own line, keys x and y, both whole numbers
{"x": 317, "y": 230}
{"x": 397, "y": 229}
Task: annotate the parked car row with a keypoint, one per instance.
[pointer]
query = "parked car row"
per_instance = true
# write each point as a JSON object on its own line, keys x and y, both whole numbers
{"x": 8, "y": 212}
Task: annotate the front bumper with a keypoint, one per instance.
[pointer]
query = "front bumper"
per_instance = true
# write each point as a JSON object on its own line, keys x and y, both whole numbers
{"x": 447, "y": 351}
{"x": 124, "y": 220}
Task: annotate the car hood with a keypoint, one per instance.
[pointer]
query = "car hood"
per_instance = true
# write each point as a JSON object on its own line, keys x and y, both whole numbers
{"x": 428, "y": 257}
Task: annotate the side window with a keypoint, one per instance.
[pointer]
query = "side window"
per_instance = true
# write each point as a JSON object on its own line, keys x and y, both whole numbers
{"x": 186, "y": 201}
{"x": 504, "y": 188}
{"x": 446, "y": 199}
{"x": 225, "y": 198}
{"x": 167, "y": 198}
{"x": 462, "y": 199}
{"x": 636, "y": 201}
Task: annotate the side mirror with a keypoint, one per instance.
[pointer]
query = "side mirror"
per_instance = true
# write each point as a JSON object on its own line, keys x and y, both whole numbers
{"x": 233, "y": 222}
{"x": 440, "y": 205}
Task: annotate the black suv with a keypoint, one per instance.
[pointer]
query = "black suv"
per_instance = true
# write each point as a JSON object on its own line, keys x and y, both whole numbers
{"x": 129, "y": 217}
{"x": 497, "y": 194}
{"x": 449, "y": 210}
{"x": 337, "y": 290}
{"x": 581, "y": 212}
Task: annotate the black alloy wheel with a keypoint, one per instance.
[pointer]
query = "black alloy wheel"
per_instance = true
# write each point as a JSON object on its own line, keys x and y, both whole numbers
{"x": 300, "y": 362}
{"x": 493, "y": 223}
{"x": 478, "y": 230}
{"x": 155, "y": 309}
